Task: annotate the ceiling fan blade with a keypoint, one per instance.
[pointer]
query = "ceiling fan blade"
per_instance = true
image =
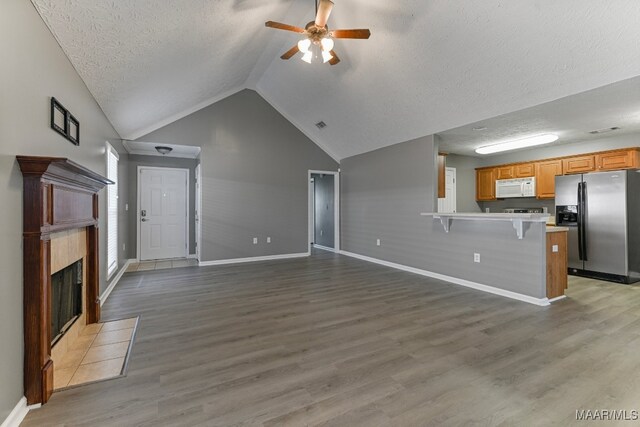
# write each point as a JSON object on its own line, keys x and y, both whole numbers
{"x": 286, "y": 27}
{"x": 324, "y": 10}
{"x": 288, "y": 54}
{"x": 335, "y": 59}
{"x": 350, "y": 34}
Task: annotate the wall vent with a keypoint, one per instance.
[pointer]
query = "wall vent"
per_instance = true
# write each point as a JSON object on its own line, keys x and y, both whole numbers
{"x": 605, "y": 130}
{"x": 321, "y": 124}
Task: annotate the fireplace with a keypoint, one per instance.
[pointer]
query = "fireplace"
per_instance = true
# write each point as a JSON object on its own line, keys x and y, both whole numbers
{"x": 66, "y": 299}
{"x": 60, "y": 229}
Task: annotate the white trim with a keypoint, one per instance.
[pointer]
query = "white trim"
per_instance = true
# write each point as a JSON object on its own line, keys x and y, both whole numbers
{"x": 253, "y": 259}
{"x": 557, "y": 298}
{"x": 454, "y": 280}
{"x": 198, "y": 211}
{"x": 324, "y": 248}
{"x": 103, "y": 298}
{"x": 336, "y": 205}
{"x": 138, "y": 249}
{"x": 192, "y": 256}
{"x": 18, "y": 413}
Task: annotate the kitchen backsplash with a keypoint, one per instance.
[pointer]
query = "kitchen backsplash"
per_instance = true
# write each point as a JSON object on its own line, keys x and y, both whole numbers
{"x": 525, "y": 202}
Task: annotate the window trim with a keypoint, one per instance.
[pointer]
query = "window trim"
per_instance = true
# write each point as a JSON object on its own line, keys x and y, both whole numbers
{"x": 113, "y": 267}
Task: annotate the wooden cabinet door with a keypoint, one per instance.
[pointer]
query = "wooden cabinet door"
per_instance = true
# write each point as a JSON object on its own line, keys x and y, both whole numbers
{"x": 579, "y": 164}
{"x": 546, "y": 173}
{"x": 623, "y": 159}
{"x": 442, "y": 162}
{"x": 525, "y": 170}
{"x": 505, "y": 172}
{"x": 485, "y": 184}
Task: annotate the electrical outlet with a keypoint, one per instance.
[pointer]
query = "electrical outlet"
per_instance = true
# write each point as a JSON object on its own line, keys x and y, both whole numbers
{"x": 377, "y": 242}
{"x": 126, "y": 206}
{"x": 476, "y": 257}
{"x": 487, "y": 210}
{"x": 255, "y": 240}
{"x": 321, "y": 232}
{"x": 124, "y": 247}
{"x": 554, "y": 248}
{"x": 268, "y": 239}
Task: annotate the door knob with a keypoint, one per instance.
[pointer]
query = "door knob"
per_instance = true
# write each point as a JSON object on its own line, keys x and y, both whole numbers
{"x": 144, "y": 219}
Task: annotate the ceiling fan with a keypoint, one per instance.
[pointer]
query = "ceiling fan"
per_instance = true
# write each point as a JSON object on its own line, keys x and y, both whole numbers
{"x": 318, "y": 41}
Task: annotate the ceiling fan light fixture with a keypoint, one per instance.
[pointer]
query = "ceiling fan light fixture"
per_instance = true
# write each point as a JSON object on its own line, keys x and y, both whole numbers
{"x": 518, "y": 143}
{"x": 326, "y": 56}
{"x": 308, "y": 55}
{"x": 327, "y": 44}
{"x": 304, "y": 45}
{"x": 163, "y": 150}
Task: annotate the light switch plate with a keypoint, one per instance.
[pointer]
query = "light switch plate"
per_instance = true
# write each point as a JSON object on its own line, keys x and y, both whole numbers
{"x": 554, "y": 248}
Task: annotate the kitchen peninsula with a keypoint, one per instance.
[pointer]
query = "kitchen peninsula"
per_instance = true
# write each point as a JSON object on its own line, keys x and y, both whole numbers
{"x": 551, "y": 241}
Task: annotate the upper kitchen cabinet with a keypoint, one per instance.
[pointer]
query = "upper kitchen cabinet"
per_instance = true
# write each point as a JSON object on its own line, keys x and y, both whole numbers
{"x": 442, "y": 163}
{"x": 579, "y": 164}
{"x": 505, "y": 172}
{"x": 525, "y": 170}
{"x": 619, "y": 159}
{"x": 546, "y": 173}
{"x": 486, "y": 184}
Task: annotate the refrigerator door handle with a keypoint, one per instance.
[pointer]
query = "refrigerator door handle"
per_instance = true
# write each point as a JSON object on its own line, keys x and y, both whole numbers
{"x": 579, "y": 217}
{"x": 583, "y": 221}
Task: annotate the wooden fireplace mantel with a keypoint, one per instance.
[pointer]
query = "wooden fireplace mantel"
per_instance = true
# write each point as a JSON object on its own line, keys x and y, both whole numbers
{"x": 58, "y": 195}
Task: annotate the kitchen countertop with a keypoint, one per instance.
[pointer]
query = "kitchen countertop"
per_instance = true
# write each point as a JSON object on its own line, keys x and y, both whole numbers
{"x": 554, "y": 229}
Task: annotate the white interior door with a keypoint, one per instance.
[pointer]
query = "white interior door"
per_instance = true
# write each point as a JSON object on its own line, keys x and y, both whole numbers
{"x": 163, "y": 213}
{"x": 448, "y": 203}
{"x": 198, "y": 210}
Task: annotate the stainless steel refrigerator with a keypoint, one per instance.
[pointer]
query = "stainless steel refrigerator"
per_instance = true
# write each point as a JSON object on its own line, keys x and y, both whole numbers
{"x": 602, "y": 211}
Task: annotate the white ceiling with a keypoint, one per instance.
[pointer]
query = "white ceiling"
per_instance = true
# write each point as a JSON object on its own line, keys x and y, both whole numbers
{"x": 430, "y": 65}
{"x": 571, "y": 118}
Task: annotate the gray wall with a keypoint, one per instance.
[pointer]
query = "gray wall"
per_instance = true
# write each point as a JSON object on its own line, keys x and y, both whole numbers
{"x": 324, "y": 209}
{"x": 167, "y": 162}
{"x": 255, "y": 176}
{"x": 33, "y": 69}
{"x": 383, "y": 194}
{"x": 465, "y": 181}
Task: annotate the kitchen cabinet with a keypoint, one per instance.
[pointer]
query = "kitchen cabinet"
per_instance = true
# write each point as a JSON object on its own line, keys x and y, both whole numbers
{"x": 546, "y": 173}
{"x": 579, "y": 164}
{"x": 556, "y": 263}
{"x": 442, "y": 163}
{"x": 505, "y": 172}
{"x": 486, "y": 184}
{"x": 620, "y": 159}
{"x": 525, "y": 170}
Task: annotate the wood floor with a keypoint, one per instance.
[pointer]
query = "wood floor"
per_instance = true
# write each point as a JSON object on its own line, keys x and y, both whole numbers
{"x": 334, "y": 341}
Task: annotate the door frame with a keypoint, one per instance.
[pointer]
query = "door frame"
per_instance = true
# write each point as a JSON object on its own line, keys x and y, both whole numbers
{"x": 336, "y": 207}
{"x": 455, "y": 188}
{"x": 138, "y": 201}
{"x": 198, "y": 212}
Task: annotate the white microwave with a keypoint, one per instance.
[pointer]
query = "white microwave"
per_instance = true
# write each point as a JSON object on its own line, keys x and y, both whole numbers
{"x": 517, "y": 187}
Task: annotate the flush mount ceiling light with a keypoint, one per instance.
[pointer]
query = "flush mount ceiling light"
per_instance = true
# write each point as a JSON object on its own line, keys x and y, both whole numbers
{"x": 163, "y": 150}
{"x": 518, "y": 143}
{"x": 317, "y": 46}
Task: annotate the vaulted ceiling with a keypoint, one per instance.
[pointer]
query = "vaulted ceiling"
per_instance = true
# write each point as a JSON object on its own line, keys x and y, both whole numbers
{"x": 429, "y": 66}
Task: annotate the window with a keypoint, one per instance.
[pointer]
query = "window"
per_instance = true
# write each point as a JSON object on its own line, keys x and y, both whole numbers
{"x": 112, "y": 210}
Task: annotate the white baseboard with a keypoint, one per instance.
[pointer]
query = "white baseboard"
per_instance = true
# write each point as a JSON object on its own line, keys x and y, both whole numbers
{"x": 192, "y": 256}
{"x": 17, "y": 414}
{"x": 557, "y": 298}
{"x": 114, "y": 282}
{"x": 252, "y": 259}
{"x": 324, "y": 248}
{"x": 455, "y": 280}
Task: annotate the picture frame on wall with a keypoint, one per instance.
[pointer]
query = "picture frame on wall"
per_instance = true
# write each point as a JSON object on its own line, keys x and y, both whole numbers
{"x": 58, "y": 117}
{"x": 63, "y": 122}
{"x": 73, "y": 129}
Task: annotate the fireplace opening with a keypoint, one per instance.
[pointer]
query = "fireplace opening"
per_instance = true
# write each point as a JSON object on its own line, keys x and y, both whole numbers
{"x": 66, "y": 299}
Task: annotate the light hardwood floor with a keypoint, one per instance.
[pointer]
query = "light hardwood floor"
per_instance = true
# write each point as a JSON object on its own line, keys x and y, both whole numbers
{"x": 334, "y": 341}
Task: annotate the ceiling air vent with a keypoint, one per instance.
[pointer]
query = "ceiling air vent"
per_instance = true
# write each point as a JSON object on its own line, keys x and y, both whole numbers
{"x": 321, "y": 124}
{"x": 605, "y": 130}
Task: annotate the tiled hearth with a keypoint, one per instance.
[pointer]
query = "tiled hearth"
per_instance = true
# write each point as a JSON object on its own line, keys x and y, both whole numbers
{"x": 98, "y": 353}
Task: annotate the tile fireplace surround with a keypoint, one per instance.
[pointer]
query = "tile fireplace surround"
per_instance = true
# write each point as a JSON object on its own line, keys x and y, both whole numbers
{"x": 58, "y": 195}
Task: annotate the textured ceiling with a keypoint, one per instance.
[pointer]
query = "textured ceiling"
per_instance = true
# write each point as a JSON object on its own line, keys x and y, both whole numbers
{"x": 571, "y": 118}
{"x": 430, "y": 65}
